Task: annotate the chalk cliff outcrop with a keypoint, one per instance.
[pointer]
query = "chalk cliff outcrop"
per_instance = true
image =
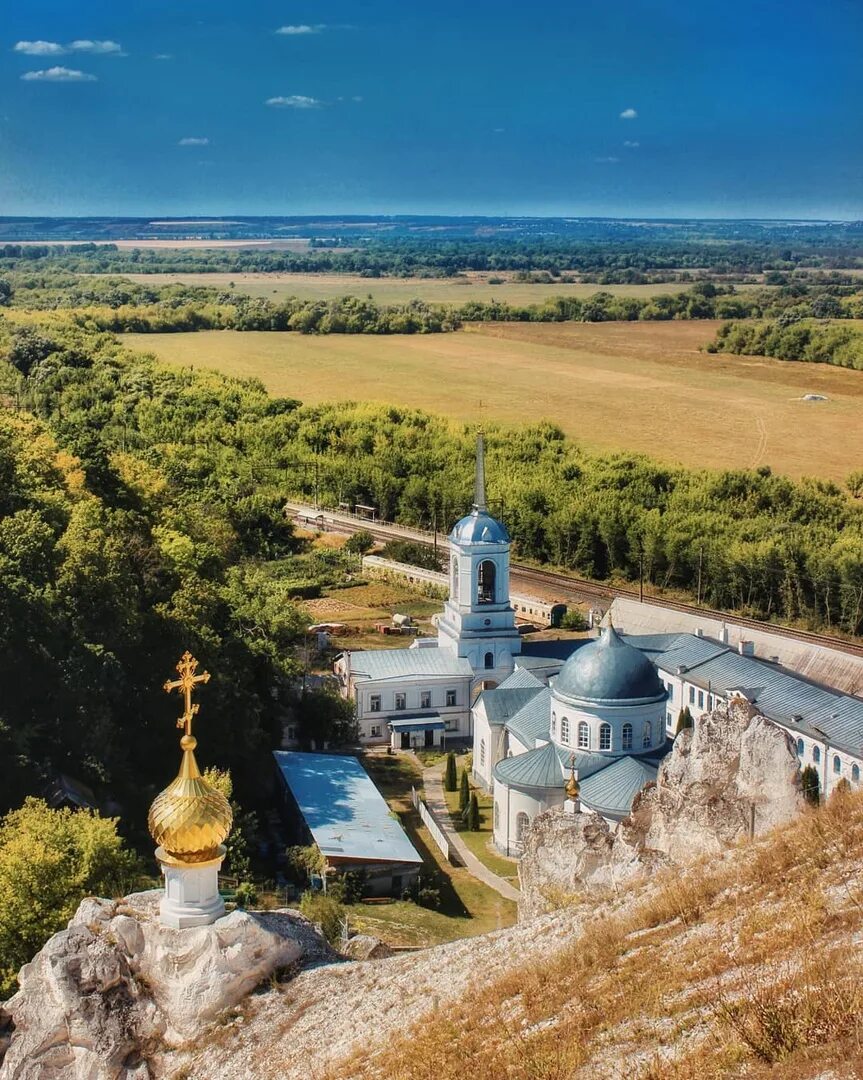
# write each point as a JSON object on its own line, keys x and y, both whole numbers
{"x": 734, "y": 774}
{"x": 116, "y": 987}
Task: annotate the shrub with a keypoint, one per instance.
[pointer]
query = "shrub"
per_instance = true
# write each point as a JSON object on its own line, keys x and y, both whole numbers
{"x": 324, "y": 910}
{"x": 464, "y": 792}
{"x": 573, "y": 619}
{"x": 811, "y": 785}
{"x": 450, "y": 776}
{"x": 472, "y": 815}
{"x": 246, "y": 895}
{"x": 360, "y": 542}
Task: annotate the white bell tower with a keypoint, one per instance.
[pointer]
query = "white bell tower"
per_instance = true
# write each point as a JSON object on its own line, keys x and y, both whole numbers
{"x": 478, "y": 621}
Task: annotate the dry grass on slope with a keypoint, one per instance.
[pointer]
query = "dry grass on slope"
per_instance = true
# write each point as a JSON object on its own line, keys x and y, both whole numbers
{"x": 745, "y": 965}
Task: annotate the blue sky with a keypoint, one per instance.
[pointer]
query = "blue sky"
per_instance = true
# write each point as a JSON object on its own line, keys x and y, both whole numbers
{"x": 641, "y": 107}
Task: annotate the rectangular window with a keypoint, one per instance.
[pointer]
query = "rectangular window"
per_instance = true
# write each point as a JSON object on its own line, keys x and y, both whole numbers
{"x": 375, "y": 703}
{"x": 451, "y": 723}
{"x": 401, "y": 701}
{"x": 692, "y": 695}
{"x": 671, "y": 691}
{"x": 450, "y": 699}
{"x": 425, "y": 699}
{"x": 375, "y": 731}
{"x": 291, "y": 732}
{"x": 700, "y": 699}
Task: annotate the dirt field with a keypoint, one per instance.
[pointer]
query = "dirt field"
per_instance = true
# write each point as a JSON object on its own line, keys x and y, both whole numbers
{"x": 613, "y": 386}
{"x": 473, "y": 286}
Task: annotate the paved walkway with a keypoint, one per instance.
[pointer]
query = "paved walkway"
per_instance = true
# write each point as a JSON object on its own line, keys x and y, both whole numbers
{"x": 436, "y": 801}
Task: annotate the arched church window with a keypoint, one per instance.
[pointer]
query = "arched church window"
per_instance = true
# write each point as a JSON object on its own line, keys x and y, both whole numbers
{"x": 553, "y": 724}
{"x": 626, "y": 737}
{"x": 522, "y": 821}
{"x": 801, "y": 746}
{"x": 837, "y": 764}
{"x": 646, "y": 735}
{"x": 816, "y": 754}
{"x": 605, "y": 736}
{"x": 454, "y": 585}
{"x": 482, "y": 753}
{"x": 855, "y": 773}
{"x": 489, "y": 660}
{"x": 485, "y": 582}
{"x": 496, "y": 815}
{"x": 583, "y": 736}
{"x": 564, "y": 729}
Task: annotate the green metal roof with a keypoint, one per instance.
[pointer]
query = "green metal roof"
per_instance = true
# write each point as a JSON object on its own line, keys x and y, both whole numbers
{"x": 540, "y": 768}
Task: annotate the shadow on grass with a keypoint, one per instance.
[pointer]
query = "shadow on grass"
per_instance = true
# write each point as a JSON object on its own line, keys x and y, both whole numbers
{"x": 450, "y": 901}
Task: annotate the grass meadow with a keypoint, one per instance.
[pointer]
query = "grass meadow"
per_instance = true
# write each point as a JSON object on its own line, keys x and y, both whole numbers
{"x": 640, "y": 387}
{"x": 471, "y": 286}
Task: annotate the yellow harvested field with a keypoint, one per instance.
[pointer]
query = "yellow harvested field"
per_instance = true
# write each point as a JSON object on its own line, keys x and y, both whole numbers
{"x": 612, "y": 386}
{"x": 473, "y": 286}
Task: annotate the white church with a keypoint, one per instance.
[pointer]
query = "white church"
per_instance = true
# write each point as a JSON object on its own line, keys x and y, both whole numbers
{"x": 604, "y": 709}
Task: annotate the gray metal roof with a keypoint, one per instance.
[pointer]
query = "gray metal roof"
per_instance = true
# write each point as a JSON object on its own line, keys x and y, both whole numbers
{"x": 780, "y": 694}
{"x": 399, "y": 663}
{"x": 610, "y": 791}
{"x": 502, "y": 705}
{"x": 346, "y": 814}
{"x": 531, "y": 722}
{"x": 540, "y": 768}
{"x": 609, "y": 670}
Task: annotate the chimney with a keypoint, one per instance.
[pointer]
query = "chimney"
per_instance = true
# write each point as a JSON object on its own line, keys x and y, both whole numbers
{"x": 699, "y": 632}
{"x": 746, "y": 648}
{"x": 723, "y": 634}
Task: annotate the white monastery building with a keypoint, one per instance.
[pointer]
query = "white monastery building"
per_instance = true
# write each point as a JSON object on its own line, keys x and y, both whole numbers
{"x": 604, "y": 709}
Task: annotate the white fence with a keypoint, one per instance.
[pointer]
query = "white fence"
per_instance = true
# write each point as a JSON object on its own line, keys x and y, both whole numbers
{"x": 427, "y": 818}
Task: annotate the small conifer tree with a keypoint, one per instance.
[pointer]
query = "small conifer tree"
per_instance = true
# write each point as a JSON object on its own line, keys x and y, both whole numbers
{"x": 464, "y": 792}
{"x": 811, "y": 785}
{"x": 450, "y": 776}
{"x": 684, "y": 720}
{"x": 473, "y": 813}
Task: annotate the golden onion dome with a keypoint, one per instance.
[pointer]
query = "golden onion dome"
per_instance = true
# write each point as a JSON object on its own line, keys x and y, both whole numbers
{"x": 572, "y": 787}
{"x": 190, "y": 819}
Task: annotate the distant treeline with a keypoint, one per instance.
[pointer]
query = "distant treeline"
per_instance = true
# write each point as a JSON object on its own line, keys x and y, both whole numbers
{"x": 403, "y": 257}
{"x": 359, "y": 315}
{"x": 813, "y": 342}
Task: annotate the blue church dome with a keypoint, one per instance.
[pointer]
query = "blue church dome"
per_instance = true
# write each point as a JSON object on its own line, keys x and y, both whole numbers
{"x": 608, "y": 670}
{"x": 479, "y": 528}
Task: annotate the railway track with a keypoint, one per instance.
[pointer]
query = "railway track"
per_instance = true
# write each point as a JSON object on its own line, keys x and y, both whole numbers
{"x": 567, "y": 586}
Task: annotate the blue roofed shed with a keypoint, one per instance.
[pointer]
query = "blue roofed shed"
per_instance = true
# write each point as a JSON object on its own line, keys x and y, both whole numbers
{"x": 331, "y": 800}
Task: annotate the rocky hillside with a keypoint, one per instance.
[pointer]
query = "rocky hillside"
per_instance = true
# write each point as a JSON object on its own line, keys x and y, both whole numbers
{"x": 742, "y": 963}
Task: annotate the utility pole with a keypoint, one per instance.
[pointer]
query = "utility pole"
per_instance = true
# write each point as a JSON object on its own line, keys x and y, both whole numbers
{"x": 640, "y": 572}
{"x": 700, "y": 567}
{"x": 317, "y": 463}
{"x": 434, "y": 528}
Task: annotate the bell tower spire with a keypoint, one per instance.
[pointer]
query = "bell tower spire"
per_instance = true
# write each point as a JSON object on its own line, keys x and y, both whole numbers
{"x": 479, "y": 483}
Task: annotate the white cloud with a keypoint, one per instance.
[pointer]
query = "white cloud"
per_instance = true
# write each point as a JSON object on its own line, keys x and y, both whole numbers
{"x": 96, "y": 48}
{"x": 631, "y": 143}
{"x": 194, "y": 140}
{"x": 58, "y": 74}
{"x": 606, "y": 160}
{"x": 498, "y": 131}
{"x": 80, "y": 45}
{"x": 163, "y": 56}
{"x": 294, "y": 101}
{"x": 40, "y": 48}
{"x": 628, "y": 114}
{"x": 302, "y": 28}
{"x": 357, "y": 98}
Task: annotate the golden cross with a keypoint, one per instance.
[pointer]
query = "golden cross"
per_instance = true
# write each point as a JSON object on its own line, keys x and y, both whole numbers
{"x": 186, "y": 683}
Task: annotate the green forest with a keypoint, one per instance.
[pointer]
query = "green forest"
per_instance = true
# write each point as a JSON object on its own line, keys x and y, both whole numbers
{"x": 792, "y": 338}
{"x": 141, "y": 514}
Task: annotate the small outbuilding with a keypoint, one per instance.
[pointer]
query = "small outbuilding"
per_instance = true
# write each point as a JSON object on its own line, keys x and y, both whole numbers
{"x": 331, "y": 801}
